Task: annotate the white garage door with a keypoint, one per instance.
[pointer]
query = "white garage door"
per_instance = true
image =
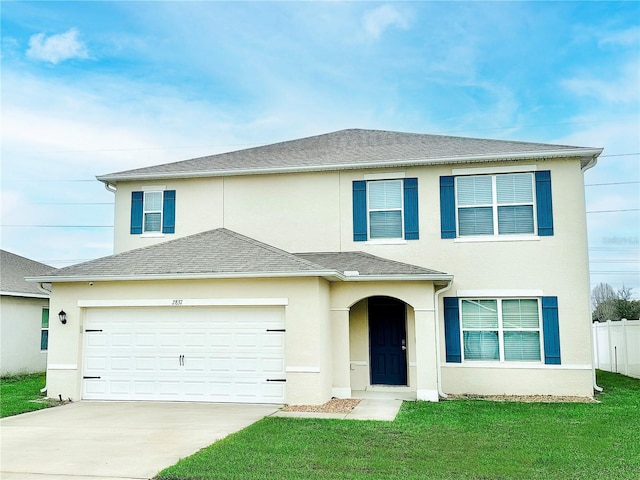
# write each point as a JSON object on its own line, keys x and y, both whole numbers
{"x": 203, "y": 354}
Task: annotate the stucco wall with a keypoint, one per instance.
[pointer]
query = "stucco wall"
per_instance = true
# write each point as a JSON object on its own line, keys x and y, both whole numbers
{"x": 20, "y": 326}
{"x": 313, "y": 212}
{"x": 308, "y": 360}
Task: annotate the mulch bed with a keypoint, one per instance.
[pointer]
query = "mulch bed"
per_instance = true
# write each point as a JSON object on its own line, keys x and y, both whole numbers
{"x": 524, "y": 398}
{"x": 335, "y": 405}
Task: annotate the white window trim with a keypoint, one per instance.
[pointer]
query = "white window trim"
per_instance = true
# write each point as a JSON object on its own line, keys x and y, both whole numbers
{"x": 493, "y": 170}
{"x": 503, "y": 294}
{"x": 386, "y": 241}
{"x": 501, "y": 330}
{"x": 152, "y": 233}
{"x": 384, "y": 176}
{"x": 497, "y": 236}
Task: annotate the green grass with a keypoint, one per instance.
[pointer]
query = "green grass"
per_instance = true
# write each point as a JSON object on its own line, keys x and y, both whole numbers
{"x": 460, "y": 439}
{"x": 17, "y": 394}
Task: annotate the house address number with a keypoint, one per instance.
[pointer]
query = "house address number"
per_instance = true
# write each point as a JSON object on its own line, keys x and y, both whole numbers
{"x": 176, "y": 302}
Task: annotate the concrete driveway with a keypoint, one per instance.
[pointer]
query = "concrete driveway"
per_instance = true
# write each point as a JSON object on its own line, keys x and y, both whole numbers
{"x": 114, "y": 440}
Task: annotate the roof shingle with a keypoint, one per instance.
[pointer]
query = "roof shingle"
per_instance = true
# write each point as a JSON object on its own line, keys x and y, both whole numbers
{"x": 222, "y": 253}
{"x": 353, "y": 148}
{"x": 13, "y": 270}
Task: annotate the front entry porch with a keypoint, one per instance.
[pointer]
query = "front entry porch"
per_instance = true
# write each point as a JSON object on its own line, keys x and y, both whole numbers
{"x": 385, "y": 343}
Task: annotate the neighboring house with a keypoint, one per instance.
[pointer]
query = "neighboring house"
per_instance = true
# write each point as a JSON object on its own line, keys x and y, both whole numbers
{"x": 24, "y": 316}
{"x": 354, "y": 260}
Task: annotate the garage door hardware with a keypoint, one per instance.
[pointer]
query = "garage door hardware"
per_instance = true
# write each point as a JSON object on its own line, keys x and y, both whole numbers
{"x": 276, "y": 330}
{"x": 181, "y": 360}
{"x": 93, "y": 330}
{"x": 91, "y": 378}
{"x": 276, "y": 379}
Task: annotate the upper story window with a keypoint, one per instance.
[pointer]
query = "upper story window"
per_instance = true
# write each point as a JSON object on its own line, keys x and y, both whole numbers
{"x": 384, "y": 204}
{"x": 153, "y": 211}
{"x": 495, "y": 204}
{"x": 500, "y": 205}
{"x": 385, "y": 210}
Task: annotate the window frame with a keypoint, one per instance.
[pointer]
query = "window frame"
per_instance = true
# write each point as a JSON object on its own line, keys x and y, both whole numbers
{"x": 500, "y": 329}
{"x": 370, "y": 210}
{"x": 145, "y": 212}
{"x": 495, "y": 207}
{"x": 44, "y": 328}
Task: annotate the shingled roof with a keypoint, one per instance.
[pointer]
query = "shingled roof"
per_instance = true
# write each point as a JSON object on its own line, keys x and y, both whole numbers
{"x": 222, "y": 253}
{"x": 14, "y": 269}
{"x": 354, "y": 148}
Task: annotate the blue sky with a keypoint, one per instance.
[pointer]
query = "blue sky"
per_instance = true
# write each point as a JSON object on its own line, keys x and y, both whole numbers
{"x": 95, "y": 87}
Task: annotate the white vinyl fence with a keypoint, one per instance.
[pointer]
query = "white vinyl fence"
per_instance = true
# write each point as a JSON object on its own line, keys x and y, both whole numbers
{"x": 616, "y": 346}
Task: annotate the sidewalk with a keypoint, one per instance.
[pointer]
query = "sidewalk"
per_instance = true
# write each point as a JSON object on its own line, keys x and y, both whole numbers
{"x": 372, "y": 407}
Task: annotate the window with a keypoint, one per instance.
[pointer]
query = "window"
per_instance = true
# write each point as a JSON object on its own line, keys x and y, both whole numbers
{"x": 385, "y": 209}
{"x": 44, "y": 330}
{"x": 501, "y": 329}
{"x": 497, "y": 205}
{"x": 153, "y": 211}
{"x": 384, "y": 204}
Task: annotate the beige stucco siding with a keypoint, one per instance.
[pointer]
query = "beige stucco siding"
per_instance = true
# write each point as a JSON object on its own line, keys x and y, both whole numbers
{"x": 306, "y": 321}
{"x": 310, "y": 212}
{"x": 20, "y": 335}
{"x": 199, "y": 207}
{"x": 296, "y": 212}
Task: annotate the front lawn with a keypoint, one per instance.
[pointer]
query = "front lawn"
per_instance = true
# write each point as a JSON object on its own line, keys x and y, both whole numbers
{"x": 21, "y": 393}
{"x": 458, "y": 439}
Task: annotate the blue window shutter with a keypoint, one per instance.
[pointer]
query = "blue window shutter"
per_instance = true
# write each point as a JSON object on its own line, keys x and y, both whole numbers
{"x": 447, "y": 208}
{"x": 360, "y": 211}
{"x": 411, "y": 227}
{"x": 169, "y": 211}
{"x": 136, "y": 212}
{"x": 544, "y": 204}
{"x": 551, "y": 330}
{"x": 452, "y": 329}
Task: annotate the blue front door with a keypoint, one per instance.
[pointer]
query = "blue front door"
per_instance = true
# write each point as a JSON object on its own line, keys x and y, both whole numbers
{"x": 387, "y": 341}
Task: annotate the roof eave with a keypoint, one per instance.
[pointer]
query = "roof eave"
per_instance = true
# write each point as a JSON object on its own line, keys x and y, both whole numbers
{"x": 331, "y": 274}
{"x": 23, "y": 294}
{"x": 397, "y": 278}
{"x": 586, "y": 155}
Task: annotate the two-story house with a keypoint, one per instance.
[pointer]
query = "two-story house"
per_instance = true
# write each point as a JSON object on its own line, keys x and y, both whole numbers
{"x": 355, "y": 260}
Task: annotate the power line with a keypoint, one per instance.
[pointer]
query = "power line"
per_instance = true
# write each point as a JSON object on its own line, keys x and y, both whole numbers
{"x": 614, "y": 211}
{"x": 56, "y": 226}
{"x": 611, "y": 183}
{"x": 75, "y": 203}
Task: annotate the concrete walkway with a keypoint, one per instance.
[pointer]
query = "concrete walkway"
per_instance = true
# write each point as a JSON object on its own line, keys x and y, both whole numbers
{"x": 380, "y": 406}
{"x": 367, "y": 409}
{"x": 114, "y": 440}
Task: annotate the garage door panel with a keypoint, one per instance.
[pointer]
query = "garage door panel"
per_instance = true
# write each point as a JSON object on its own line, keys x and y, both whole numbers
{"x": 215, "y": 354}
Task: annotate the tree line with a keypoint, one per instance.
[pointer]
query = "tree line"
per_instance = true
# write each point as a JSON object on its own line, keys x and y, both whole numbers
{"x": 609, "y": 304}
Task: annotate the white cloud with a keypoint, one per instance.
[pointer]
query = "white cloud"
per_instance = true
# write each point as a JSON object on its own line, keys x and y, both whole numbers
{"x": 622, "y": 88}
{"x": 628, "y": 37}
{"x": 57, "y": 48}
{"x": 379, "y": 19}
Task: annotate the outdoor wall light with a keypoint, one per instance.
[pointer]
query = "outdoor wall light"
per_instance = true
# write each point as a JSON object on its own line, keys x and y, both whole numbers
{"x": 63, "y": 317}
